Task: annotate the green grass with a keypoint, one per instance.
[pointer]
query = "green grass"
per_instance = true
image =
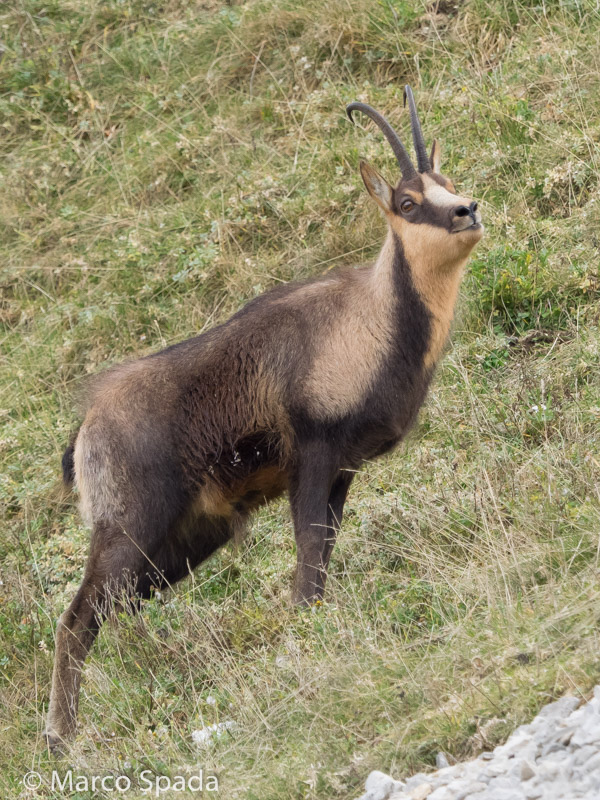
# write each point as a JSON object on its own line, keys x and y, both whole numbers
{"x": 164, "y": 162}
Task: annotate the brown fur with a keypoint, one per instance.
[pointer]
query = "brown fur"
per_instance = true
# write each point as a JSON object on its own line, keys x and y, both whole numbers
{"x": 418, "y": 197}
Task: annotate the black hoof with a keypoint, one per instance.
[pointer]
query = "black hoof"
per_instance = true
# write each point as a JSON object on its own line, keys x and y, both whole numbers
{"x": 55, "y": 743}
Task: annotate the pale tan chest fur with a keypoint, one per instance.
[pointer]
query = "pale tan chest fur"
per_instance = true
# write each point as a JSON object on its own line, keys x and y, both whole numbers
{"x": 439, "y": 292}
{"x": 353, "y": 342}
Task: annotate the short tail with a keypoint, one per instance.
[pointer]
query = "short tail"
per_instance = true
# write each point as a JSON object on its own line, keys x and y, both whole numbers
{"x": 68, "y": 465}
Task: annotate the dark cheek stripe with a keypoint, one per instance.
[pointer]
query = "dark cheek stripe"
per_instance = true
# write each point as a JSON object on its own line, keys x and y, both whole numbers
{"x": 429, "y": 214}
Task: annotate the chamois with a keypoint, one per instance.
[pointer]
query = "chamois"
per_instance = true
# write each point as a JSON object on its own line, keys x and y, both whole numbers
{"x": 293, "y": 393}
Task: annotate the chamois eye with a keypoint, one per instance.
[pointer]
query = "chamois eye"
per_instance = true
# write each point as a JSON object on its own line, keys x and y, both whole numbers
{"x": 406, "y": 205}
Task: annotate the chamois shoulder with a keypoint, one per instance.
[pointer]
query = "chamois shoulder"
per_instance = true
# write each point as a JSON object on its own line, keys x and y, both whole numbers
{"x": 158, "y": 377}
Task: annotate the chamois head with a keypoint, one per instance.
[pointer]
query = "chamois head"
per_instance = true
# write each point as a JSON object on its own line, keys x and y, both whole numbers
{"x": 433, "y": 222}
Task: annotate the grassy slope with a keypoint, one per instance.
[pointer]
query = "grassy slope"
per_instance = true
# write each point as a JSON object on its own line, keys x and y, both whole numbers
{"x": 164, "y": 162}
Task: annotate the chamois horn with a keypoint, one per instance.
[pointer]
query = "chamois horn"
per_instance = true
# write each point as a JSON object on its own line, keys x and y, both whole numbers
{"x": 402, "y": 157}
{"x": 423, "y": 162}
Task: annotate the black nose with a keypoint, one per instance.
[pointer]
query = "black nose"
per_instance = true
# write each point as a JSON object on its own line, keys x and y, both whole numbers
{"x": 463, "y": 211}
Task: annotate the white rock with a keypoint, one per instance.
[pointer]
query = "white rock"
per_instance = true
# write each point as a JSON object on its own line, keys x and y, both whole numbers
{"x": 422, "y": 791}
{"x": 548, "y": 769}
{"x": 415, "y": 780}
{"x": 475, "y": 788}
{"x": 516, "y": 743}
{"x": 505, "y": 782}
{"x": 527, "y": 770}
{"x": 559, "y": 709}
{"x": 497, "y": 767}
{"x": 444, "y": 776}
{"x": 503, "y": 794}
{"x": 592, "y": 764}
{"x": 585, "y": 736}
{"x": 583, "y": 754}
{"x": 380, "y": 786}
{"x": 460, "y": 787}
{"x": 565, "y": 738}
{"x": 470, "y": 768}
{"x": 441, "y": 793}
{"x": 533, "y": 791}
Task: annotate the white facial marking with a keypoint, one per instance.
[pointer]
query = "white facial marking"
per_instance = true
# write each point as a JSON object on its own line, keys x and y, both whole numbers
{"x": 441, "y": 197}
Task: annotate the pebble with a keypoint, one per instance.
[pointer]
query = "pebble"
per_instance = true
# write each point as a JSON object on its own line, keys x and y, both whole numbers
{"x": 555, "y": 757}
{"x": 421, "y": 792}
{"x": 416, "y": 780}
{"x": 584, "y": 754}
{"x": 441, "y": 793}
{"x": 475, "y": 788}
{"x": 380, "y": 786}
{"x": 527, "y": 770}
{"x": 592, "y": 764}
{"x": 441, "y": 761}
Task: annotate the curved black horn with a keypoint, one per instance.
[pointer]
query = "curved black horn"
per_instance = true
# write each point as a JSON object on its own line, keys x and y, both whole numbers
{"x": 421, "y": 150}
{"x": 402, "y": 157}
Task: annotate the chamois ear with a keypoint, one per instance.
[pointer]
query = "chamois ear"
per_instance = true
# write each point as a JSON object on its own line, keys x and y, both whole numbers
{"x": 377, "y": 187}
{"x": 436, "y": 156}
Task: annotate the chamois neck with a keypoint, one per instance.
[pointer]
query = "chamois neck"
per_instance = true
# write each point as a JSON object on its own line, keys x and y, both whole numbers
{"x": 438, "y": 288}
{"x": 401, "y": 269}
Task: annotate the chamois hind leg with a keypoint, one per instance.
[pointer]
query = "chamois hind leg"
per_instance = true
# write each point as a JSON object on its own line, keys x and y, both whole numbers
{"x": 310, "y": 487}
{"x": 115, "y": 564}
{"x": 335, "y": 510}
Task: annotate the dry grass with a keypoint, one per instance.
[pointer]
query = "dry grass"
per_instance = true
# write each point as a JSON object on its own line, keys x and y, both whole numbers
{"x": 162, "y": 163}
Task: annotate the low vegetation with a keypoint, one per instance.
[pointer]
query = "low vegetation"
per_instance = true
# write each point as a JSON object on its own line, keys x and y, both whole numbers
{"x": 163, "y": 162}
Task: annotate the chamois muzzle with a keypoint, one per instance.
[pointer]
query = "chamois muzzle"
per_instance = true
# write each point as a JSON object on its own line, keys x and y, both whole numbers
{"x": 466, "y": 218}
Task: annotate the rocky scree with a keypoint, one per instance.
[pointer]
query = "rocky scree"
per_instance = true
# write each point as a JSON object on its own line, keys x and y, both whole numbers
{"x": 555, "y": 757}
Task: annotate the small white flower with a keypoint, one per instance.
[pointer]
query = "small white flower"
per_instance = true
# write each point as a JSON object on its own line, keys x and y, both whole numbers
{"x": 204, "y": 736}
{"x": 210, "y": 701}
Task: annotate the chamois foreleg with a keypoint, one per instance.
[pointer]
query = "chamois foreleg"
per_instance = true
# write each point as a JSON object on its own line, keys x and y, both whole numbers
{"x": 335, "y": 510}
{"x": 310, "y": 488}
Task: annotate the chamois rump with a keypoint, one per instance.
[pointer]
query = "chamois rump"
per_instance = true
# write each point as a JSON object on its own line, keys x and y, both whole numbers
{"x": 293, "y": 393}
